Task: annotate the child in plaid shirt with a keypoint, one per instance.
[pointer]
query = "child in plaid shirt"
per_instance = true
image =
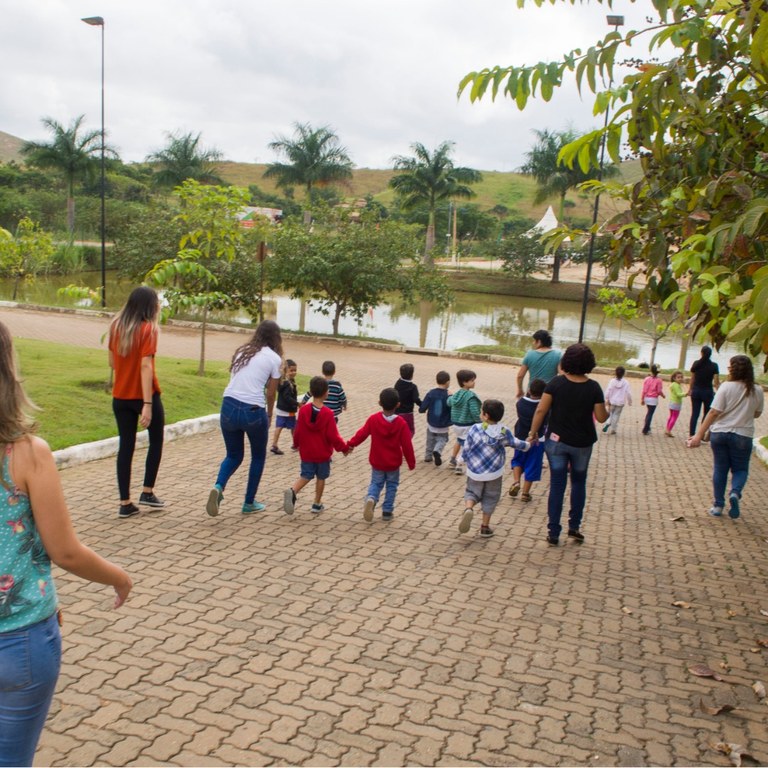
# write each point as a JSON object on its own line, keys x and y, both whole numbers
{"x": 485, "y": 455}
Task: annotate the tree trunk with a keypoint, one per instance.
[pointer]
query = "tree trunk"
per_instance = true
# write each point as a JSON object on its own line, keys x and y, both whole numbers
{"x": 71, "y": 216}
{"x": 654, "y": 344}
{"x": 336, "y": 318}
{"x": 430, "y": 241}
{"x": 201, "y": 366}
{"x": 557, "y": 258}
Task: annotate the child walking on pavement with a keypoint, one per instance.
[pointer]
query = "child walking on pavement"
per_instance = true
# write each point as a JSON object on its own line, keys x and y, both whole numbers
{"x": 286, "y": 407}
{"x": 390, "y": 443}
{"x": 485, "y": 454}
{"x": 465, "y": 411}
{"x": 408, "y": 393}
{"x": 317, "y": 436}
{"x": 653, "y": 389}
{"x": 676, "y": 396}
{"x": 337, "y": 398}
{"x": 527, "y": 464}
{"x": 435, "y": 404}
{"x": 617, "y": 396}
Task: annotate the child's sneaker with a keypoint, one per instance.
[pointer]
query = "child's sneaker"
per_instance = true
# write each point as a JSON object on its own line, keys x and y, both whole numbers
{"x": 486, "y": 531}
{"x": 318, "y": 508}
{"x": 458, "y": 470}
{"x": 428, "y": 459}
{"x": 368, "y": 509}
{"x": 733, "y": 500}
{"x": 514, "y": 490}
{"x": 452, "y": 462}
{"x": 437, "y": 457}
{"x": 274, "y": 449}
{"x": 716, "y": 511}
{"x": 249, "y": 509}
{"x": 466, "y": 520}
{"x": 387, "y": 516}
{"x": 127, "y": 510}
{"x": 214, "y": 499}
{"x": 289, "y": 501}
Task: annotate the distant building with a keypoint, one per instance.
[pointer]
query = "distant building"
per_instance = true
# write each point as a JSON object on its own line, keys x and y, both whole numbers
{"x": 248, "y": 214}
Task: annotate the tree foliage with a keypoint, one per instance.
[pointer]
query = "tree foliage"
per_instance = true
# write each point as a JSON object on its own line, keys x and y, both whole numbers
{"x": 72, "y": 152}
{"x": 345, "y": 267}
{"x": 184, "y": 157}
{"x": 211, "y": 234}
{"x": 26, "y": 254}
{"x": 313, "y": 157}
{"x": 428, "y": 178}
{"x": 697, "y": 220}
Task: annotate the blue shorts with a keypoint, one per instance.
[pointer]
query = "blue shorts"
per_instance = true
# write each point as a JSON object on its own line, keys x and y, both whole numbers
{"x": 531, "y": 461}
{"x": 285, "y": 422}
{"x": 319, "y": 469}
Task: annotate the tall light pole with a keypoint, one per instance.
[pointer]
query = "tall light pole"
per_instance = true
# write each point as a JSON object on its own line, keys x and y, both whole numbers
{"x": 615, "y": 22}
{"x": 98, "y": 21}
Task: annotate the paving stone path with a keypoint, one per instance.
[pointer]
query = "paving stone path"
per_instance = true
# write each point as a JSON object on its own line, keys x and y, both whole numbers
{"x": 325, "y": 640}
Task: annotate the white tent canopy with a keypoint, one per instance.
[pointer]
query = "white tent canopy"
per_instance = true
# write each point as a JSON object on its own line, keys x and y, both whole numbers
{"x": 548, "y": 221}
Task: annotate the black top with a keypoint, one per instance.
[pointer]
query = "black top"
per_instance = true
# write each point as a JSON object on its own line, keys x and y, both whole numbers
{"x": 409, "y": 395}
{"x": 571, "y": 414}
{"x": 704, "y": 370}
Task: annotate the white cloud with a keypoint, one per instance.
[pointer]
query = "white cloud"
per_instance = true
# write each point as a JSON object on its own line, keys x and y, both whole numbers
{"x": 383, "y": 75}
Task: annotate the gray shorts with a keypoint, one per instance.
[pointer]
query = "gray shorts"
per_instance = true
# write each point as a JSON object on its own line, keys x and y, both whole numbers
{"x": 485, "y": 492}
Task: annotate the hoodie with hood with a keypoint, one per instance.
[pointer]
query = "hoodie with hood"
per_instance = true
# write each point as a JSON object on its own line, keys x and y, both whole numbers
{"x": 390, "y": 441}
{"x": 484, "y": 450}
{"x": 316, "y": 434}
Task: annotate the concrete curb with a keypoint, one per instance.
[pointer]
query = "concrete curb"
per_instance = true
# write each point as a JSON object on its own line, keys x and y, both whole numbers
{"x": 102, "y": 449}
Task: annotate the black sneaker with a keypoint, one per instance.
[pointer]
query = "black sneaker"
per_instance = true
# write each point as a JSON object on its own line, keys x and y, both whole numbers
{"x": 128, "y": 510}
{"x": 486, "y": 531}
{"x": 553, "y": 542}
{"x": 150, "y": 500}
{"x": 317, "y": 508}
{"x": 387, "y": 516}
{"x": 438, "y": 458}
{"x": 289, "y": 501}
{"x": 576, "y": 535}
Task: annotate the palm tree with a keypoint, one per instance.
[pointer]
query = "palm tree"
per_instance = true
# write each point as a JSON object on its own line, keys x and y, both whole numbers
{"x": 430, "y": 178}
{"x": 72, "y": 152}
{"x": 554, "y": 178}
{"x": 313, "y": 156}
{"x": 183, "y": 158}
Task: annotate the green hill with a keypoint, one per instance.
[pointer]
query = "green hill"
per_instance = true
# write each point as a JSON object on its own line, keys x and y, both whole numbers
{"x": 511, "y": 190}
{"x": 10, "y": 148}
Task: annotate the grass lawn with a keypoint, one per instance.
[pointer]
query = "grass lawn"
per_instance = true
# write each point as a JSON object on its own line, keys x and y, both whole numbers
{"x": 70, "y": 386}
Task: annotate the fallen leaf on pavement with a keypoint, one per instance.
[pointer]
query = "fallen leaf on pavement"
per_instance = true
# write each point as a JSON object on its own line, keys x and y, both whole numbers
{"x": 735, "y": 752}
{"x": 707, "y": 710}
{"x": 763, "y": 613}
{"x": 702, "y": 670}
{"x": 626, "y": 610}
{"x": 681, "y": 604}
{"x": 759, "y": 689}
{"x": 762, "y": 641}
{"x": 731, "y": 614}
{"x": 676, "y": 519}
{"x": 725, "y": 666}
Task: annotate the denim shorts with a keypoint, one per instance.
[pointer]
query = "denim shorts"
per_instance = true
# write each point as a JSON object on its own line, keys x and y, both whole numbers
{"x": 319, "y": 469}
{"x": 285, "y": 422}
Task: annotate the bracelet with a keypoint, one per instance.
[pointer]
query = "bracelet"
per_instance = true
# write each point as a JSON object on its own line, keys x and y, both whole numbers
{"x": 147, "y": 402}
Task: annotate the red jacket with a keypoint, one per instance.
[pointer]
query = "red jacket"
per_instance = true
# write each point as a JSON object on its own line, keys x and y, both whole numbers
{"x": 390, "y": 441}
{"x": 316, "y": 434}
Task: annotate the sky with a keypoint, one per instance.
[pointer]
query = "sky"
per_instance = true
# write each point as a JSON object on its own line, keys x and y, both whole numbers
{"x": 382, "y": 75}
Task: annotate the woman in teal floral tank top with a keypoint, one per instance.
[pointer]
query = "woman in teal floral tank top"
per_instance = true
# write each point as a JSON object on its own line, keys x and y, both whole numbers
{"x": 35, "y": 529}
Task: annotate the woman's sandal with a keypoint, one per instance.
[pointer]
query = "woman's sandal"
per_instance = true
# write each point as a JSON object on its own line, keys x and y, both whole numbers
{"x": 514, "y": 490}
{"x": 525, "y": 497}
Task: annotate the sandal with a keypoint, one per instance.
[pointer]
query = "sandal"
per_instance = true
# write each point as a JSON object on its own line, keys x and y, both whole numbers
{"x": 525, "y": 497}
{"x": 514, "y": 490}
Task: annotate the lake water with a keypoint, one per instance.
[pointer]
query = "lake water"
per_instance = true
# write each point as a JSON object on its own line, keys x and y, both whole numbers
{"x": 473, "y": 318}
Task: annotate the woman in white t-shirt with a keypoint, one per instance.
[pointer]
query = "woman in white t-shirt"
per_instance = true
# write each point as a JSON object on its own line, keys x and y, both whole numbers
{"x": 246, "y": 410}
{"x": 731, "y": 423}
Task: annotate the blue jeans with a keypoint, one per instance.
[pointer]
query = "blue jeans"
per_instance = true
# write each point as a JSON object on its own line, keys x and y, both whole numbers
{"x": 29, "y": 667}
{"x": 562, "y": 460}
{"x": 238, "y": 420}
{"x": 379, "y": 479}
{"x": 731, "y": 452}
{"x": 650, "y": 410}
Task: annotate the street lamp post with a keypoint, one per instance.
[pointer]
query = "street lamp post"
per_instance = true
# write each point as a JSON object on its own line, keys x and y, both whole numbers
{"x": 615, "y": 22}
{"x": 98, "y": 21}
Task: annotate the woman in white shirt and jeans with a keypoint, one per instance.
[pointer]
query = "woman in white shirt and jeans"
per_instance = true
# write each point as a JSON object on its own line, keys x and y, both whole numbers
{"x": 246, "y": 410}
{"x": 731, "y": 423}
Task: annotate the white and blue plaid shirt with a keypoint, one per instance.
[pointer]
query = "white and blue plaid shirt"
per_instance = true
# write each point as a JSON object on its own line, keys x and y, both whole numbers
{"x": 484, "y": 450}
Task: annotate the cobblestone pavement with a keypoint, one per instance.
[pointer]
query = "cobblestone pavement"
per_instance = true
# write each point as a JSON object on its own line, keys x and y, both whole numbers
{"x": 325, "y": 640}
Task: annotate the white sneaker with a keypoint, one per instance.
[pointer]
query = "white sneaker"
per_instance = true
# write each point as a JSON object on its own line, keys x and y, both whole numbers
{"x": 466, "y": 521}
{"x": 289, "y": 501}
{"x": 368, "y": 509}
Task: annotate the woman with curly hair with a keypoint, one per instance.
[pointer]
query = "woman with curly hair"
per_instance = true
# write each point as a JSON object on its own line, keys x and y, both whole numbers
{"x": 35, "y": 530}
{"x": 731, "y": 423}
{"x": 571, "y": 400}
{"x": 247, "y": 411}
{"x": 136, "y": 394}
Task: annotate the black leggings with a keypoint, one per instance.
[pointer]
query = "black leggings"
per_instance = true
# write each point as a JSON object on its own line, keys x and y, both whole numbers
{"x": 127, "y": 414}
